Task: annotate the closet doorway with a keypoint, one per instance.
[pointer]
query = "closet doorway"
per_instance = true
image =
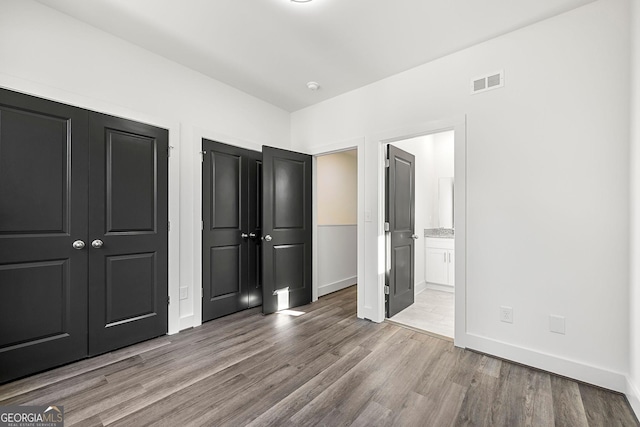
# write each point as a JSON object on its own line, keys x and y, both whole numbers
{"x": 256, "y": 229}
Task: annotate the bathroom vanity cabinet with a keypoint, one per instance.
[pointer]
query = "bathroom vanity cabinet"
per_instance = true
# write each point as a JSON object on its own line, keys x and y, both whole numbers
{"x": 440, "y": 261}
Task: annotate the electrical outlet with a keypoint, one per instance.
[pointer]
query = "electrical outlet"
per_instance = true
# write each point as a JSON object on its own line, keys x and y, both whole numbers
{"x": 556, "y": 324}
{"x": 506, "y": 314}
{"x": 184, "y": 293}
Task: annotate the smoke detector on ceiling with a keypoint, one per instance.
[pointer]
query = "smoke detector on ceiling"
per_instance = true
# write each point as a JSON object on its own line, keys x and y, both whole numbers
{"x": 487, "y": 82}
{"x": 313, "y": 86}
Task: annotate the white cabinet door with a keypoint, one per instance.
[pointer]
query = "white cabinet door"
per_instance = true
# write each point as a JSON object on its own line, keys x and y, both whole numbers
{"x": 437, "y": 265}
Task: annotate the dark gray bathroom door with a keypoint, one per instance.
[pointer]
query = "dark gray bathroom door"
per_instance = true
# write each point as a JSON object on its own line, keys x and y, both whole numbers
{"x": 128, "y": 232}
{"x": 286, "y": 244}
{"x": 400, "y": 214}
{"x": 43, "y": 211}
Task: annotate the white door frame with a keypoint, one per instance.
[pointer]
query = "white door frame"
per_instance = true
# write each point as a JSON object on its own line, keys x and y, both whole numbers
{"x": 374, "y": 286}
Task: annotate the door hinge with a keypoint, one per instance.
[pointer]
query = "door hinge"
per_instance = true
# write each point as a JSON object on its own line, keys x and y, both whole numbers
{"x": 168, "y": 300}
{"x": 201, "y": 293}
{"x": 168, "y": 225}
{"x": 169, "y": 148}
{"x": 387, "y": 227}
{"x": 386, "y": 163}
{"x": 202, "y": 153}
{"x": 386, "y": 289}
{"x": 201, "y": 225}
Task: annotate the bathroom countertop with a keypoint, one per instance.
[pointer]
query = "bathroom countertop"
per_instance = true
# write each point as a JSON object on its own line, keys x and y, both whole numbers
{"x": 442, "y": 233}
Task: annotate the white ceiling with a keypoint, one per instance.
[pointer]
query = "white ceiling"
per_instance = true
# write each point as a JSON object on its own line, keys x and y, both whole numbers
{"x": 272, "y": 48}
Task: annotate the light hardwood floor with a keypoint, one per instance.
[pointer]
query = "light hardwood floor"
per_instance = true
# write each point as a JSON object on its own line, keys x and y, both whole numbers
{"x": 325, "y": 367}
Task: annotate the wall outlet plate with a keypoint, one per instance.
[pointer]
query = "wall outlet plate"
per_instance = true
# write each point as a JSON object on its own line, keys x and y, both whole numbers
{"x": 556, "y": 324}
{"x": 506, "y": 314}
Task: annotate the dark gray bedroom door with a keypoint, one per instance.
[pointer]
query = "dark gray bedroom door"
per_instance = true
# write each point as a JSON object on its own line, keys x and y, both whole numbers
{"x": 43, "y": 229}
{"x": 128, "y": 232}
{"x": 286, "y": 245}
{"x": 400, "y": 214}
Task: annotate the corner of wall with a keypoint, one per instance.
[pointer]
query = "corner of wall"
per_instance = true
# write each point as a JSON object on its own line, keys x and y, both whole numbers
{"x": 633, "y": 378}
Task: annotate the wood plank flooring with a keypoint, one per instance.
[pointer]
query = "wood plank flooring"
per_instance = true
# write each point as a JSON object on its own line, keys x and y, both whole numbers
{"x": 325, "y": 367}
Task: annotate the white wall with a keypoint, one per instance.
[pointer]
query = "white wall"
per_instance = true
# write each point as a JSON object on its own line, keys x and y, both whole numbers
{"x": 337, "y": 208}
{"x": 49, "y": 54}
{"x": 337, "y": 257}
{"x": 633, "y": 386}
{"x": 547, "y": 183}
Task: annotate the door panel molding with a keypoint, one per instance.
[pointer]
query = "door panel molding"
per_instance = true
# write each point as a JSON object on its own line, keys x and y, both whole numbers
{"x": 138, "y": 154}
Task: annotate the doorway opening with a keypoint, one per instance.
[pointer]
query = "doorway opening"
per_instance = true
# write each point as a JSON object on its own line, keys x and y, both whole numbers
{"x": 335, "y": 222}
{"x": 432, "y": 279}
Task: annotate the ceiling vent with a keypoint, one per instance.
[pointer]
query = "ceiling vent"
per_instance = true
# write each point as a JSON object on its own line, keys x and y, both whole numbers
{"x": 487, "y": 82}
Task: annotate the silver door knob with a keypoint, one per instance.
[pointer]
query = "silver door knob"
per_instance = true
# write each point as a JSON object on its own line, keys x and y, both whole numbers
{"x": 244, "y": 235}
{"x": 414, "y": 236}
{"x": 97, "y": 243}
{"x": 268, "y": 238}
{"x": 252, "y": 235}
{"x": 78, "y": 244}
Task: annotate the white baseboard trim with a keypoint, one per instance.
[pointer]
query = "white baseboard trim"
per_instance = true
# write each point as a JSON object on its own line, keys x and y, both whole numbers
{"x": 187, "y": 322}
{"x": 633, "y": 395}
{"x": 568, "y": 368}
{"x": 436, "y": 287}
{"x": 336, "y": 286}
{"x": 421, "y": 287}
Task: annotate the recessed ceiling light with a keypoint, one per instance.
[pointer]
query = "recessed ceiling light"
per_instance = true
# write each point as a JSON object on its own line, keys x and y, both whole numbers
{"x": 313, "y": 85}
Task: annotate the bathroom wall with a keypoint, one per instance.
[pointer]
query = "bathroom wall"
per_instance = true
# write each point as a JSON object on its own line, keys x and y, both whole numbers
{"x": 438, "y": 164}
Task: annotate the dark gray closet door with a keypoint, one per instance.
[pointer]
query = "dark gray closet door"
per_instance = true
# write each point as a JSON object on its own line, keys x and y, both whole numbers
{"x": 255, "y": 229}
{"x": 128, "y": 235}
{"x": 224, "y": 230}
{"x": 286, "y": 245}
{"x": 400, "y": 190}
{"x": 43, "y": 211}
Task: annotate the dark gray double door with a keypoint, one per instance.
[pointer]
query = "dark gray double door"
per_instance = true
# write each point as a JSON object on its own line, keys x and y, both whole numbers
{"x": 83, "y": 237}
{"x": 256, "y": 231}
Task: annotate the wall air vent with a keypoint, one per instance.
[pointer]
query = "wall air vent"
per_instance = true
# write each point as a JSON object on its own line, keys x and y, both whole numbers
{"x": 487, "y": 82}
